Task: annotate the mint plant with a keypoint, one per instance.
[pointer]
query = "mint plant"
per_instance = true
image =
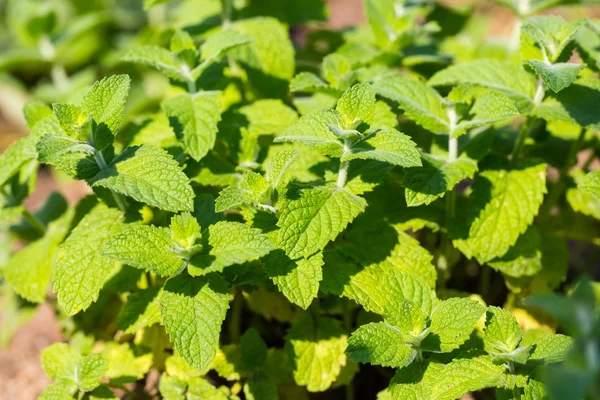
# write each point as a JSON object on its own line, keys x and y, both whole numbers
{"x": 403, "y": 210}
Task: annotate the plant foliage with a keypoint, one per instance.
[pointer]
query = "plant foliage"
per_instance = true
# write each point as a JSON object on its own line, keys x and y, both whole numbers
{"x": 402, "y": 210}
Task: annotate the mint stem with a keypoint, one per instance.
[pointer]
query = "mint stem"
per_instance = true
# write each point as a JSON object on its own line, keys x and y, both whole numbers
{"x": 235, "y": 323}
{"x": 35, "y": 222}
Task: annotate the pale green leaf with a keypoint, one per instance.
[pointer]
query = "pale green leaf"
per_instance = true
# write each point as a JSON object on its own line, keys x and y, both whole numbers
{"x": 337, "y": 70}
{"x": 229, "y": 243}
{"x": 89, "y": 371}
{"x": 437, "y": 381}
{"x": 59, "y": 361}
{"x": 490, "y": 108}
{"x": 161, "y": 59}
{"x": 315, "y": 218}
{"x": 436, "y": 177}
{"x": 277, "y": 167}
{"x": 505, "y": 77}
{"x": 146, "y": 247}
{"x": 28, "y": 271}
{"x": 141, "y": 309}
{"x": 105, "y": 101}
{"x": 357, "y": 105}
{"x": 576, "y": 104}
{"x": 70, "y": 156}
{"x": 546, "y": 37}
{"x": 222, "y": 42}
{"x": 149, "y": 175}
{"x": 420, "y": 102}
{"x": 309, "y": 83}
{"x": 380, "y": 344}
{"x": 270, "y": 54}
{"x": 522, "y": 259}
{"x": 192, "y": 311}
{"x": 556, "y": 76}
{"x": 550, "y": 349}
{"x": 123, "y": 365}
{"x": 379, "y": 288}
{"x": 318, "y": 350}
{"x": 502, "y": 333}
{"x": 249, "y": 191}
{"x": 299, "y": 279}
{"x": 80, "y": 271}
{"x": 312, "y": 130}
{"x": 194, "y": 120}
{"x": 501, "y": 207}
{"x": 452, "y": 322}
{"x": 387, "y": 145}
{"x": 591, "y": 183}
{"x": 63, "y": 389}
{"x": 181, "y": 41}
{"x": 15, "y": 157}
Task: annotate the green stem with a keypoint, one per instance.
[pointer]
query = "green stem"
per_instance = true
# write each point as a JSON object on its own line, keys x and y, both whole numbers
{"x": 523, "y": 133}
{"x": 227, "y": 7}
{"x": 557, "y": 190}
{"x": 343, "y": 174}
{"x": 35, "y": 222}
{"x": 235, "y": 323}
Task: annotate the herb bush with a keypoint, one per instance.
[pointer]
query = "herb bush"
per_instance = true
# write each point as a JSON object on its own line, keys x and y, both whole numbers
{"x": 395, "y": 211}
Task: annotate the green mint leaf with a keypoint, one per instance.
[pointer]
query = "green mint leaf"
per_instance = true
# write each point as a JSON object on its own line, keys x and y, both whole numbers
{"x": 411, "y": 322}
{"x": 105, "y": 102}
{"x": 229, "y": 243}
{"x": 313, "y": 130}
{"x": 276, "y": 172}
{"x": 35, "y": 111}
{"x": 185, "y": 230}
{"x": 59, "y": 390}
{"x": 28, "y": 271}
{"x": 70, "y": 117}
{"x": 194, "y": 120}
{"x": 261, "y": 386}
{"x": 123, "y": 365}
{"x": 502, "y": 333}
{"x": 192, "y": 311}
{"x": 550, "y": 349}
{"x": 591, "y": 183}
{"x": 436, "y": 177}
{"x": 181, "y": 41}
{"x": 80, "y": 271}
{"x": 148, "y": 175}
{"x": 546, "y": 37}
{"x": 222, "y": 42}
{"x": 535, "y": 390}
{"x": 249, "y": 192}
{"x": 59, "y": 361}
{"x": 269, "y": 58}
{"x": 74, "y": 158}
{"x": 502, "y": 206}
{"x": 452, "y": 322}
{"x": 337, "y": 70}
{"x": 161, "y": 59}
{"x": 556, "y": 76}
{"x": 490, "y": 108}
{"x": 253, "y": 350}
{"x": 89, "y": 371}
{"x": 315, "y": 218}
{"x": 308, "y": 82}
{"x": 318, "y": 350}
{"x": 268, "y": 116}
{"x": 299, "y": 279}
{"x": 573, "y": 104}
{"x": 387, "y": 145}
{"x": 437, "y": 381}
{"x": 357, "y": 105}
{"x": 146, "y": 247}
{"x": 504, "y": 77}
{"x": 379, "y": 288}
{"x": 420, "y": 102}
{"x": 373, "y": 242}
{"x": 524, "y": 258}
{"x": 141, "y": 309}
{"x": 380, "y": 344}
{"x": 15, "y": 157}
